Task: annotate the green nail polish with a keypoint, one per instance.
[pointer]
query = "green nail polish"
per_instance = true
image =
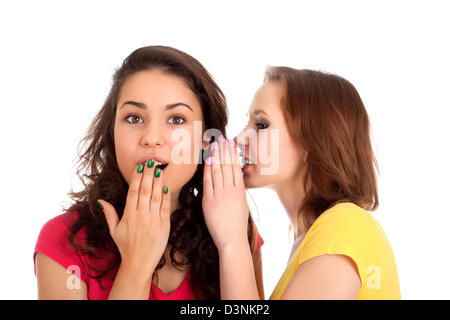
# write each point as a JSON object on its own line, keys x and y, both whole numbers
{"x": 165, "y": 189}
{"x": 157, "y": 172}
{"x": 99, "y": 204}
{"x": 140, "y": 168}
{"x": 150, "y": 163}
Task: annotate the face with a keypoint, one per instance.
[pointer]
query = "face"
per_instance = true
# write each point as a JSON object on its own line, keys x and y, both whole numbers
{"x": 267, "y": 142}
{"x": 155, "y": 119}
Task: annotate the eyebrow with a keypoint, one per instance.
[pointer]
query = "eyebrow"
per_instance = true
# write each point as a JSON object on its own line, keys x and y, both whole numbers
{"x": 257, "y": 111}
{"x": 144, "y": 106}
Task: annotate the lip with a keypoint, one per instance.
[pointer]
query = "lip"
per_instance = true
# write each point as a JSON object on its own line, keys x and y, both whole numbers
{"x": 248, "y": 159}
{"x": 143, "y": 160}
{"x": 246, "y": 168}
{"x": 245, "y": 157}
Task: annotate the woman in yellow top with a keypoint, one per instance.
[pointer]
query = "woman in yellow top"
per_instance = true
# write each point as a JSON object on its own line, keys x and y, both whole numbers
{"x": 308, "y": 138}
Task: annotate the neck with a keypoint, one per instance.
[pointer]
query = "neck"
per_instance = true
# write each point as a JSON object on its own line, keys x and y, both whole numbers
{"x": 174, "y": 205}
{"x": 291, "y": 195}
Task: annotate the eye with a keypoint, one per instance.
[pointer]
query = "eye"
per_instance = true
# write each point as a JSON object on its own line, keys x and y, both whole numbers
{"x": 176, "y": 120}
{"x": 262, "y": 125}
{"x": 133, "y": 116}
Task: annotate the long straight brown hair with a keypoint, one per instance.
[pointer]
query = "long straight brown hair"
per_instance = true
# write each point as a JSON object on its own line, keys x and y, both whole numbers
{"x": 326, "y": 116}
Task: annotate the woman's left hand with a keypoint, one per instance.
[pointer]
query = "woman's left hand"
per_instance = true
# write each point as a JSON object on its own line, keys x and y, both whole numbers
{"x": 224, "y": 200}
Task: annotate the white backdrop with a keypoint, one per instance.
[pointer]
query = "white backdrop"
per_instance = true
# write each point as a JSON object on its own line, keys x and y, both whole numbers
{"x": 56, "y": 62}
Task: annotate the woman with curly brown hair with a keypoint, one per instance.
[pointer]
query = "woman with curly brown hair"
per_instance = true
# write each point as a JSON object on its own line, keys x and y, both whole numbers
{"x": 137, "y": 230}
{"x": 322, "y": 167}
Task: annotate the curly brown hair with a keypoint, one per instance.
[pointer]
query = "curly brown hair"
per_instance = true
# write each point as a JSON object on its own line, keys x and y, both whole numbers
{"x": 326, "y": 116}
{"x": 102, "y": 178}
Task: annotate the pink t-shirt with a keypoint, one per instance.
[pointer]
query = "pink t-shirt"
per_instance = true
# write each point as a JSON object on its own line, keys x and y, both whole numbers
{"x": 53, "y": 242}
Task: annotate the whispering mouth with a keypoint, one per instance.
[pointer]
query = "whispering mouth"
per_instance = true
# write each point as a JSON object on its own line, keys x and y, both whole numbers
{"x": 244, "y": 161}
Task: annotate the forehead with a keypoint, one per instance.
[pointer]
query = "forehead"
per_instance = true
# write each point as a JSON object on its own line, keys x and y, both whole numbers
{"x": 268, "y": 98}
{"x": 156, "y": 89}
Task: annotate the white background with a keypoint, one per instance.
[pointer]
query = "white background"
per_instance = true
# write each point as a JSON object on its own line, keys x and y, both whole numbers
{"x": 56, "y": 63}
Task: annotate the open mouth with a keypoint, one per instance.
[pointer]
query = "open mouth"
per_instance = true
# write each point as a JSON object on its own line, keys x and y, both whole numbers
{"x": 159, "y": 165}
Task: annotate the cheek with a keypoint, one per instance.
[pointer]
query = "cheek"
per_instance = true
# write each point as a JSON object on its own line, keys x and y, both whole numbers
{"x": 282, "y": 156}
{"x": 184, "y": 156}
{"x": 182, "y": 147}
{"x": 179, "y": 175}
{"x": 291, "y": 160}
{"x": 124, "y": 152}
{"x": 271, "y": 150}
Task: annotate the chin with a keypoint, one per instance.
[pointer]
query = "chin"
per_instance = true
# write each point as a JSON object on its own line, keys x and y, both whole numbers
{"x": 252, "y": 183}
{"x": 258, "y": 181}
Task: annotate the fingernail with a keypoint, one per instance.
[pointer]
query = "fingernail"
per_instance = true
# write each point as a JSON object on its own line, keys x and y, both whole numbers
{"x": 165, "y": 189}
{"x": 157, "y": 172}
{"x": 140, "y": 168}
{"x": 99, "y": 204}
{"x": 208, "y": 161}
{"x": 215, "y": 145}
{"x": 150, "y": 163}
{"x": 231, "y": 143}
{"x": 222, "y": 139}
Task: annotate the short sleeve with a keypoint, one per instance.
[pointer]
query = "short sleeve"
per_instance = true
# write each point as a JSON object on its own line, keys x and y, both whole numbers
{"x": 259, "y": 243}
{"x": 53, "y": 242}
{"x": 257, "y": 240}
{"x": 347, "y": 230}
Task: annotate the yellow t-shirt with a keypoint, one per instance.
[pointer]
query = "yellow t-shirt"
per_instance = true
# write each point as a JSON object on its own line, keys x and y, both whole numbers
{"x": 349, "y": 230}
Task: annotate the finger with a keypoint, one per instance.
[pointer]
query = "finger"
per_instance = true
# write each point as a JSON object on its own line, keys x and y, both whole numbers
{"x": 112, "y": 219}
{"x": 133, "y": 191}
{"x": 165, "y": 205}
{"x": 237, "y": 170}
{"x": 145, "y": 190}
{"x": 216, "y": 168}
{"x": 155, "y": 201}
{"x": 221, "y": 141}
{"x": 225, "y": 160}
{"x": 208, "y": 190}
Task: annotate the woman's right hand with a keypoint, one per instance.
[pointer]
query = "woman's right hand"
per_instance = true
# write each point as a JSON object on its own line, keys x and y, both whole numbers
{"x": 224, "y": 200}
{"x": 142, "y": 233}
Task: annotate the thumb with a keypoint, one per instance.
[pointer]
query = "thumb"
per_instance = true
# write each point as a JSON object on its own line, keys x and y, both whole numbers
{"x": 110, "y": 214}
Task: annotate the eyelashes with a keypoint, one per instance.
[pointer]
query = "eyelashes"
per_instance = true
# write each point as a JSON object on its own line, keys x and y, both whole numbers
{"x": 131, "y": 116}
{"x": 262, "y": 125}
{"x": 179, "y": 119}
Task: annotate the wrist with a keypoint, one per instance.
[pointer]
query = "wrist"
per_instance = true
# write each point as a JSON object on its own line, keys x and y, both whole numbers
{"x": 136, "y": 273}
{"x": 233, "y": 246}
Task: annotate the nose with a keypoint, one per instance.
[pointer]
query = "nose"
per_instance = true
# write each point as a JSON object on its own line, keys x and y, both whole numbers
{"x": 242, "y": 138}
{"x": 153, "y": 136}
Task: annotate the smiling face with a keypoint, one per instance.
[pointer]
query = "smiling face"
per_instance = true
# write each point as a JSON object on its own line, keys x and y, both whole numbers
{"x": 153, "y": 107}
{"x": 266, "y": 141}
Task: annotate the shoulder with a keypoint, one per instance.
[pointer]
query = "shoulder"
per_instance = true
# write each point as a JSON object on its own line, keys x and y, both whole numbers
{"x": 55, "y": 231}
{"x": 53, "y": 238}
{"x": 53, "y": 241}
{"x": 345, "y": 213}
{"x": 63, "y": 220}
{"x": 344, "y": 224}
{"x": 344, "y": 220}
{"x": 59, "y": 225}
